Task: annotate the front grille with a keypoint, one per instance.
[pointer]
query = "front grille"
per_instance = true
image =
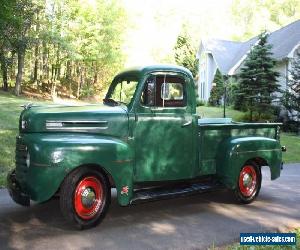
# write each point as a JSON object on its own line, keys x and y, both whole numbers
{"x": 21, "y": 154}
{"x": 21, "y": 147}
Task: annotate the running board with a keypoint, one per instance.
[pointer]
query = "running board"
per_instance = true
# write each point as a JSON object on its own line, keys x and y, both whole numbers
{"x": 161, "y": 193}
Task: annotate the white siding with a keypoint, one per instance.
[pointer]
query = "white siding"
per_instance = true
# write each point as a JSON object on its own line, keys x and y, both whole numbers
{"x": 207, "y": 70}
{"x": 202, "y": 75}
{"x": 211, "y": 71}
{"x": 282, "y": 68}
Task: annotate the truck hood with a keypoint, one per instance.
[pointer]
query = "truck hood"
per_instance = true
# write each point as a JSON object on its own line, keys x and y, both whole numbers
{"x": 96, "y": 119}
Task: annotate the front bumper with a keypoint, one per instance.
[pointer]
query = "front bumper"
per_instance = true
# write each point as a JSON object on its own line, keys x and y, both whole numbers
{"x": 15, "y": 190}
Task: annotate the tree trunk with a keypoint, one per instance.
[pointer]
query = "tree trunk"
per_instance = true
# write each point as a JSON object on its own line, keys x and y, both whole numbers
{"x": 68, "y": 71}
{"x": 36, "y": 63}
{"x": 251, "y": 109}
{"x": 57, "y": 64}
{"x": 12, "y": 69}
{"x": 36, "y": 50}
{"x": 69, "y": 76}
{"x": 21, "y": 56}
{"x": 95, "y": 74}
{"x": 44, "y": 61}
{"x": 4, "y": 70}
{"x": 79, "y": 80}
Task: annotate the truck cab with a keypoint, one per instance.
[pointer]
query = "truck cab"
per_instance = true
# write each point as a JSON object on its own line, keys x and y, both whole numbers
{"x": 163, "y": 113}
{"x": 146, "y": 140}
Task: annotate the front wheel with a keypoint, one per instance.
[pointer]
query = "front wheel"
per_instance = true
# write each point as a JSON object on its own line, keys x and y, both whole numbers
{"x": 248, "y": 183}
{"x": 85, "y": 197}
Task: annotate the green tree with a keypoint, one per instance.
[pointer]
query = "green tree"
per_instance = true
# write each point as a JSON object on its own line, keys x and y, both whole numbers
{"x": 251, "y": 17}
{"x": 185, "y": 53}
{"x": 7, "y": 22}
{"x": 217, "y": 90}
{"x": 20, "y": 39}
{"x": 258, "y": 79}
{"x": 61, "y": 46}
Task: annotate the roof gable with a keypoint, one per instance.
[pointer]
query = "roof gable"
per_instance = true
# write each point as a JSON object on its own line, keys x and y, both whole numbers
{"x": 284, "y": 40}
{"x": 229, "y": 55}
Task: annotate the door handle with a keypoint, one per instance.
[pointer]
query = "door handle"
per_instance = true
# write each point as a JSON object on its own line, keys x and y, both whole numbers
{"x": 186, "y": 124}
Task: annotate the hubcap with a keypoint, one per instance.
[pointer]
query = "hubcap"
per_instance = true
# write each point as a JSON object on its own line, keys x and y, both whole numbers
{"x": 248, "y": 181}
{"x": 88, "y": 197}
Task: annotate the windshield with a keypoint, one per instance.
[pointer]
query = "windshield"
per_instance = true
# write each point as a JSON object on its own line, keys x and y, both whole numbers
{"x": 123, "y": 91}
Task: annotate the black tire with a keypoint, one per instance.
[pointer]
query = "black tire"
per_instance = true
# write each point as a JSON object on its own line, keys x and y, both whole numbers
{"x": 245, "y": 194}
{"x": 69, "y": 197}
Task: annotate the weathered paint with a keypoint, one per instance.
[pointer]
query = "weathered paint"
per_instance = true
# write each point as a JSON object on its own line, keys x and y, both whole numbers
{"x": 43, "y": 177}
{"x": 237, "y": 151}
{"x": 138, "y": 144}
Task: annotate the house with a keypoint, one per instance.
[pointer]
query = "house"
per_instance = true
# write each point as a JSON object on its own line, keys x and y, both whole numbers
{"x": 228, "y": 56}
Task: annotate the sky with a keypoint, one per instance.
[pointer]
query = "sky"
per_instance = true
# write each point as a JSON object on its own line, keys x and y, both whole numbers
{"x": 154, "y": 26}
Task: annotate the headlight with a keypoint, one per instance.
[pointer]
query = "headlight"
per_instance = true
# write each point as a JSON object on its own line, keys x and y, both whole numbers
{"x": 24, "y": 124}
{"x": 28, "y": 160}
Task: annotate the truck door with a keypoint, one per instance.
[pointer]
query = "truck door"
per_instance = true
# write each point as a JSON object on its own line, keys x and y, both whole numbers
{"x": 163, "y": 131}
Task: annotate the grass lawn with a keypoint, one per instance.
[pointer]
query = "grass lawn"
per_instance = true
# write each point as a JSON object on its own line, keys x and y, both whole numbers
{"x": 292, "y": 144}
{"x": 10, "y": 110}
{"x": 215, "y": 112}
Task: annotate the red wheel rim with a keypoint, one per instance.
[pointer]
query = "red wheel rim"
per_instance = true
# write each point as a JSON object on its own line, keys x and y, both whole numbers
{"x": 248, "y": 181}
{"x": 88, "y": 197}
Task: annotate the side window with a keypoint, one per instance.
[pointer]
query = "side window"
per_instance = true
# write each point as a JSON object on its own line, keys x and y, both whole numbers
{"x": 124, "y": 90}
{"x": 164, "y": 91}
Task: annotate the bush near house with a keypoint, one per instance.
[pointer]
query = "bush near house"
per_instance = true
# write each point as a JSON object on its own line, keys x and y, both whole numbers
{"x": 217, "y": 91}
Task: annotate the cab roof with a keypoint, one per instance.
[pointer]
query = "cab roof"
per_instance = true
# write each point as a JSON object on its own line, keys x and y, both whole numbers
{"x": 143, "y": 70}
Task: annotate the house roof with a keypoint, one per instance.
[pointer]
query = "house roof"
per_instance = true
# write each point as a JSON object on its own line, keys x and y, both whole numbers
{"x": 285, "y": 39}
{"x": 229, "y": 55}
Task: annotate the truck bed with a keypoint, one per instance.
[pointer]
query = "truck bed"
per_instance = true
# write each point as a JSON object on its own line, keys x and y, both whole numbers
{"x": 213, "y": 131}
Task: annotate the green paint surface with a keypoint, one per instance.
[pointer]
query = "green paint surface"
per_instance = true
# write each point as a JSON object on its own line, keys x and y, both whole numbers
{"x": 135, "y": 143}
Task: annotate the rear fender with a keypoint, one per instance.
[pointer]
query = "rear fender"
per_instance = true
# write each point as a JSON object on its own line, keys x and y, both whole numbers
{"x": 238, "y": 151}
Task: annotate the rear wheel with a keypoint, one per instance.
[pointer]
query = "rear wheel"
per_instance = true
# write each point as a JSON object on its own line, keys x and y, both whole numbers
{"x": 85, "y": 197}
{"x": 248, "y": 183}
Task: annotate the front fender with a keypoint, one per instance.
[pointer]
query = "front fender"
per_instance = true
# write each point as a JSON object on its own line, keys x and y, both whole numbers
{"x": 240, "y": 150}
{"x": 54, "y": 156}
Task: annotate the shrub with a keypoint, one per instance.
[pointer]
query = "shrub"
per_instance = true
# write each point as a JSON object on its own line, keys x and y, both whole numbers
{"x": 200, "y": 103}
{"x": 256, "y": 117}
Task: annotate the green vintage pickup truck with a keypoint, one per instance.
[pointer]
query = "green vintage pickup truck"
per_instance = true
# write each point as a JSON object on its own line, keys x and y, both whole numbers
{"x": 146, "y": 140}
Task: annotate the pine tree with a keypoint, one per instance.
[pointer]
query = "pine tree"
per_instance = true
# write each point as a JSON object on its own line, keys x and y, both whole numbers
{"x": 258, "y": 79}
{"x": 218, "y": 90}
{"x": 185, "y": 53}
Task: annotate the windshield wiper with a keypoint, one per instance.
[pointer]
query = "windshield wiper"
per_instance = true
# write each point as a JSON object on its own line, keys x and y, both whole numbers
{"x": 110, "y": 100}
